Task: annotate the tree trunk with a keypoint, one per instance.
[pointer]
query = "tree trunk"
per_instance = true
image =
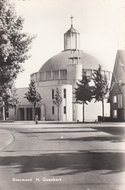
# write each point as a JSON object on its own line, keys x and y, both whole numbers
{"x": 34, "y": 105}
{"x": 15, "y": 109}
{"x": 58, "y": 113}
{"x": 83, "y": 112}
{"x": 3, "y": 109}
{"x": 5, "y": 112}
{"x": 102, "y": 110}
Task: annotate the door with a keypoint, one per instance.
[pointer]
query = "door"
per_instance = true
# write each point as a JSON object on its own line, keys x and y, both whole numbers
{"x": 29, "y": 114}
{"x": 120, "y": 114}
{"x": 21, "y": 111}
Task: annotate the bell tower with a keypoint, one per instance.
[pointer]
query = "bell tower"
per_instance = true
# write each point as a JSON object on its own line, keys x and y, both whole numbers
{"x": 72, "y": 38}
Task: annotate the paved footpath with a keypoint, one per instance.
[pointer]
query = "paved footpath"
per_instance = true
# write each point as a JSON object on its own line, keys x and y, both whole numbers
{"x": 41, "y": 124}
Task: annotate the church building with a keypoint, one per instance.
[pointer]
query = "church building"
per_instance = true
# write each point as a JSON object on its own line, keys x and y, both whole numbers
{"x": 61, "y": 71}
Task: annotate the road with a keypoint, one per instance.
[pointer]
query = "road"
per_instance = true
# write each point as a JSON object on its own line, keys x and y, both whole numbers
{"x": 63, "y": 157}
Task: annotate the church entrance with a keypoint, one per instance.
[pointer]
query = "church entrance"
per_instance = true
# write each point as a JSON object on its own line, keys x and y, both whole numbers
{"x": 120, "y": 114}
{"x": 21, "y": 111}
{"x": 29, "y": 115}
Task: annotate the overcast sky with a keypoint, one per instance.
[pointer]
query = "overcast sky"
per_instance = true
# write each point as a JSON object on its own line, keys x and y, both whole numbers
{"x": 99, "y": 22}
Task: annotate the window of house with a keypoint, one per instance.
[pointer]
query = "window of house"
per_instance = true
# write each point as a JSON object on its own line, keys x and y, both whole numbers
{"x": 120, "y": 104}
{"x": 115, "y": 113}
{"x": 48, "y": 75}
{"x": 64, "y": 93}
{"x": 52, "y": 93}
{"x": 1, "y": 100}
{"x": 56, "y": 74}
{"x": 115, "y": 99}
{"x": 52, "y": 109}
{"x": 64, "y": 109}
{"x": 63, "y": 74}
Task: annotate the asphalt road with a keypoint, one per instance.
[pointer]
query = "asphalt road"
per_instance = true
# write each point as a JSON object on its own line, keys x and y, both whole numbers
{"x": 63, "y": 157}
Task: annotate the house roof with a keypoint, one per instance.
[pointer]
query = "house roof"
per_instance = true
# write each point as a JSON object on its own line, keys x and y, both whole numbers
{"x": 118, "y": 75}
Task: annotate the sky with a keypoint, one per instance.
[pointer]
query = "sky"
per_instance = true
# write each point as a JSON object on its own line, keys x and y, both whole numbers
{"x": 99, "y": 22}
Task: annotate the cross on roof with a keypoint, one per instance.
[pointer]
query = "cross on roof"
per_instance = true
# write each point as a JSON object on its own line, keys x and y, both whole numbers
{"x": 71, "y": 20}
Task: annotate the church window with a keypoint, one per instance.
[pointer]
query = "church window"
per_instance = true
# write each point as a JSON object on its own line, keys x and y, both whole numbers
{"x": 64, "y": 93}
{"x": 120, "y": 104}
{"x": 64, "y": 109}
{"x": 63, "y": 74}
{"x": 52, "y": 93}
{"x": 53, "y": 110}
{"x": 56, "y": 74}
{"x": 48, "y": 75}
{"x": 115, "y": 99}
{"x": 42, "y": 78}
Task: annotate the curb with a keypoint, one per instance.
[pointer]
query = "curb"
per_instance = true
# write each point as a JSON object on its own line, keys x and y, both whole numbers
{"x": 6, "y": 138}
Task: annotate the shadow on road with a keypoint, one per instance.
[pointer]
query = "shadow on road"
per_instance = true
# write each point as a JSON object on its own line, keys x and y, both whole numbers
{"x": 111, "y": 130}
{"x": 68, "y": 163}
{"x": 113, "y": 139}
{"x": 58, "y": 131}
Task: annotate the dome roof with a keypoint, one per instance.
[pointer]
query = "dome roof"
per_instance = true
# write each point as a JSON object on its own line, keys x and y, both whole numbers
{"x": 61, "y": 60}
{"x": 72, "y": 30}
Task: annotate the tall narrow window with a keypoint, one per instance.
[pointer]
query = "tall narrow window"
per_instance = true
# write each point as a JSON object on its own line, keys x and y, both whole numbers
{"x": 63, "y": 74}
{"x": 42, "y": 76}
{"x": 115, "y": 113}
{"x": 64, "y": 93}
{"x": 52, "y": 93}
{"x": 48, "y": 75}
{"x": 64, "y": 109}
{"x": 120, "y": 104}
{"x": 52, "y": 109}
{"x": 56, "y": 74}
{"x": 115, "y": 99}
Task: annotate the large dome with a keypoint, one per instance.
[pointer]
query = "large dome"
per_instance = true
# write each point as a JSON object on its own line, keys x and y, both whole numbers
{"x": 61, "y": 60}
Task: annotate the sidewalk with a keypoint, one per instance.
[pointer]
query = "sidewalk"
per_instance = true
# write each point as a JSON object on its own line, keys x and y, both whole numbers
{"x": 62, "y": 124}
{"x": 6, "y": 138}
